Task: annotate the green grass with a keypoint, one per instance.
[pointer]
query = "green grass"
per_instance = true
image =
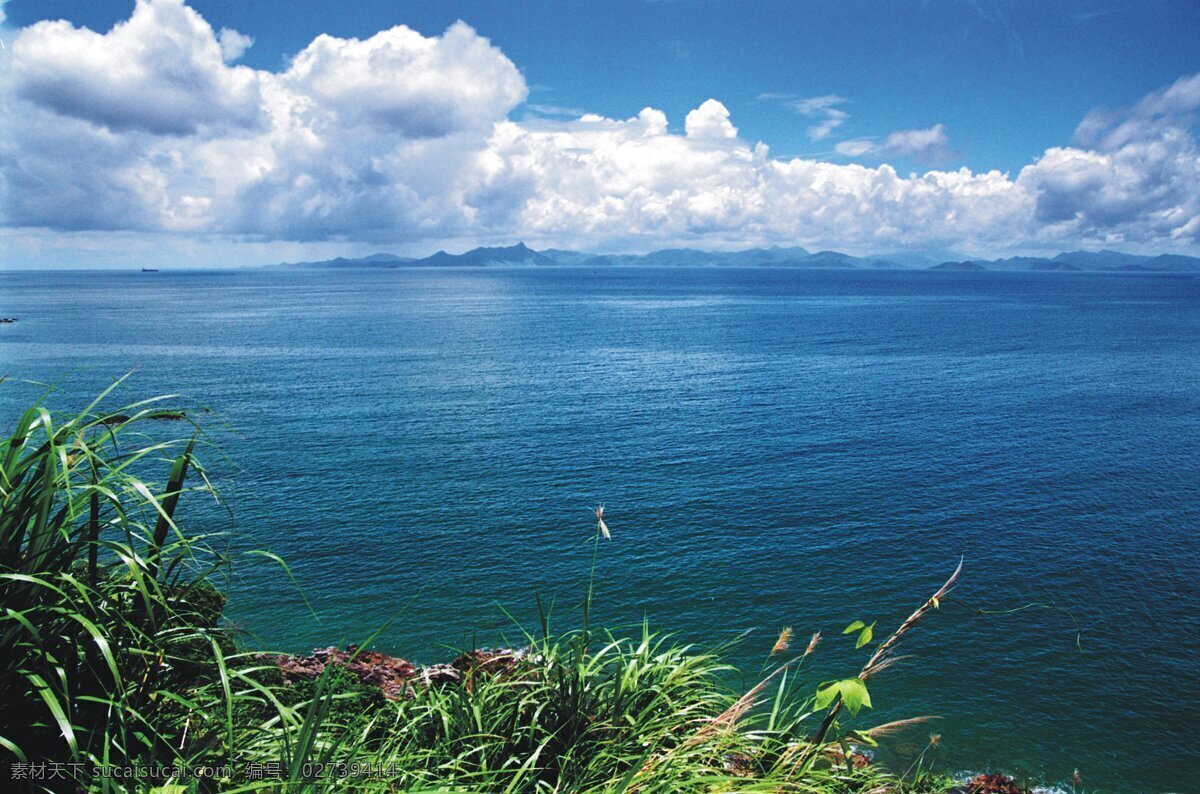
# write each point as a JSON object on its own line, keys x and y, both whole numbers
{"x": 112, "y": 652}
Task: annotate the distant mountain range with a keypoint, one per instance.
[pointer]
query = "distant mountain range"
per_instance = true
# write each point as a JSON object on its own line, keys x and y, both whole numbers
{"x": 522, "y": 255}
{"x": 1084, "y": 260}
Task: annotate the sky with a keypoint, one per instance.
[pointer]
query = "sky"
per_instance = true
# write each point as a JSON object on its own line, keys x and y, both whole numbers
{"x": 210, "y": 132}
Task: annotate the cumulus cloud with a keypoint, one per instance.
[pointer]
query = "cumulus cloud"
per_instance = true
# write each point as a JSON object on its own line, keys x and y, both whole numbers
{"x": 628, "y": 179}
{"x": 148, "y": 127}
{"x": 709, "y": 121}
{"x": 402, "y": 137}
{"x": 1167, "y": 109}
{"x": 1135, "y": 175}
{"x": 927, "y": 146}
{"x": 408, "y": 84}
{"x": 162, "y": 72}
{"x": 233, "y": 44}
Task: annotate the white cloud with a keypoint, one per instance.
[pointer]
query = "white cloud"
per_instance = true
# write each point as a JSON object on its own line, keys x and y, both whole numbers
{"x": 927, "y": 146}
{"x": 405, "y": 83}
{"x": 857, "y": 147}
{"x": 604, "y": 179}
{"x": 922, "y": 144}
{"x": 815, "y": 105}
{"x": 825, "y": 108}
{"x": 1135, "y": 176}
{"x": 162, "y": 72}
{"x": 147, "y": 127}
{"x": 233, "y": 44}
{"x": 554, "y": 111}
{"x": 402, "y": 138}
{"x": 709, "y": 121}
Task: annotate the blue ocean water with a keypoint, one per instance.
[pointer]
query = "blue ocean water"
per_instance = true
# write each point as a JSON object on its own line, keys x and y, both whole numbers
{"x": 774, "y": 447}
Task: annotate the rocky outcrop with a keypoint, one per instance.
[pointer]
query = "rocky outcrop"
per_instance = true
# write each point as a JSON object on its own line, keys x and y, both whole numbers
{"x": 395, "y": 676}
{"x": 992, "y": 784}
{"x": 390, "y": 674}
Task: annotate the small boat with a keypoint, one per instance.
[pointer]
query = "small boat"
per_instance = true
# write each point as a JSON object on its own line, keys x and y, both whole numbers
{"x": 8, "y": 319}
{"x": 149, "y": 270}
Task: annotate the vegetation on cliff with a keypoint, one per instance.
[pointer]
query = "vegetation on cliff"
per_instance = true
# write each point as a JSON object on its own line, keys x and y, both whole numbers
{"x": 117, "y": 673}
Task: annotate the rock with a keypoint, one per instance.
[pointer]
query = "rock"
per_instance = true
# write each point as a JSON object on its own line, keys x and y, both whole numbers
{"x": 992, "y": 784}
{"x": 395, "y": 676}
{"x": 391, "y": 674}
{"x": 740, "y": 765}
{"x": 485, "y": 664}
{"x": 490, "y": 661}
{"x": 858, "y": 759}
{"x": 439, "y": 674}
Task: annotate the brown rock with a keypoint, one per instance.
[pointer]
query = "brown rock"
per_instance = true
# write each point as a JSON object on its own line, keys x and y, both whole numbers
{"x": 391, "y": 674}
{"x": 439, "y": 674}
{"x": 490, "y": 661}
{"x": 740, "y": 765}
{"x": 858, "y": 760}
{"x": 485, "y": 663}
{"x": 395, "y": 676}
{"x": 994, "y": 784}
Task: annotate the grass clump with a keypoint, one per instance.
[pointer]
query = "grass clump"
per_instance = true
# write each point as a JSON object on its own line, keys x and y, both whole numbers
{"x": 113, "y": 657}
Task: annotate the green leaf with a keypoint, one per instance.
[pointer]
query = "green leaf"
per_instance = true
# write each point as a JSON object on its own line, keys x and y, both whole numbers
{"x": 825, "y": 695}
{"x": 859, "y": 737}
{"x": 852, "y": 691}
{"x": 855, "y": 626}
{"x": 855, "y": 695}
{"x": 865, "y": 636}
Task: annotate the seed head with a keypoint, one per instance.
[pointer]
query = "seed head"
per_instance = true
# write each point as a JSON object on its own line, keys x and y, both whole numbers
{"x": 600, "y": 525}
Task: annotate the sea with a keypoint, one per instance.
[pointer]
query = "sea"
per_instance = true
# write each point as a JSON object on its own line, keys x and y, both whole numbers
{"x": 773, "y": 447}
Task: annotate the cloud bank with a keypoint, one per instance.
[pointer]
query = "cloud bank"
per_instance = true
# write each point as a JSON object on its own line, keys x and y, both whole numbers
{"x": 153, "y": 127}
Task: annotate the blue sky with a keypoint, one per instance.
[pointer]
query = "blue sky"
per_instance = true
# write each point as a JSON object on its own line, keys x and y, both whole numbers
{"x": 836, "y": 91}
